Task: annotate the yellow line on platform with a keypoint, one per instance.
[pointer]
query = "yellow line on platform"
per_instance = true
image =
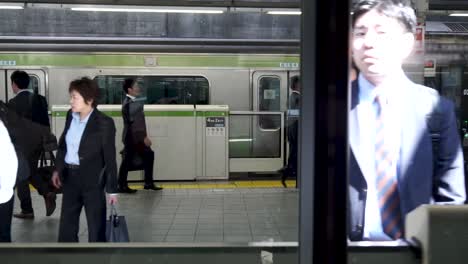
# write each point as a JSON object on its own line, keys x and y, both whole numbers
{"x": 217, "y": 185}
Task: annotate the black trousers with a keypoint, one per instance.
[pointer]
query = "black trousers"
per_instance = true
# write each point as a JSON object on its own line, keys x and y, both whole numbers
{"x": 75, "y": 196}
{"x": 42, "y": 186}
{"x": 147, "y": 155}
{"x": 293, "y": 149}
{"x": 6, "y": 213}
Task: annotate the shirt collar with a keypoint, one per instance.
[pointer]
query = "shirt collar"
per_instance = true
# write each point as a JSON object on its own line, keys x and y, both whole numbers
{"x": 131, "y": 97}
{"x": 25, "y": 90}
{"x": 76, "y": 116}
{"x": 368, "y": 91}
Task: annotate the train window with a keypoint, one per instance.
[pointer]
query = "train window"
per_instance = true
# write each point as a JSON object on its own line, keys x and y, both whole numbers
{"x": 34, "y": 83}
{"x": 157, "y": 89}
{"x": 269, "y": 100}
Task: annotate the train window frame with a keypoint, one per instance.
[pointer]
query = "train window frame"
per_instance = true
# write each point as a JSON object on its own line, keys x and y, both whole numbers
{"x": 202, "y": 101}
{"x": 36, "y": 77}
{"x": 259, "y": 119}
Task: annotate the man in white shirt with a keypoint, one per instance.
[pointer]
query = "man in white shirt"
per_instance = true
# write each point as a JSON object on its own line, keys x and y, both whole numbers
{"x": 8, "y": 166}
{"x": 405, "y": 147}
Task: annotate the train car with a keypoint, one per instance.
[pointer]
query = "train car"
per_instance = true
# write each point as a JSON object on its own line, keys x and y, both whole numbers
{"x": 255, "y": 87}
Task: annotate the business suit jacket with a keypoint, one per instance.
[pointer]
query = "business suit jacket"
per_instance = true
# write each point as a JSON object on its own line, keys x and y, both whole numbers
{"x": 134, "y": 131}
{"x": 98, "y": 166}
{"x": 31, "y": 106}
{"x": 420, "y": 182}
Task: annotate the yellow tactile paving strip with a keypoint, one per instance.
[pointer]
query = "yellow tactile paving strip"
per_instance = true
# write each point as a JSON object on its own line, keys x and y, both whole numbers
{"x": 221, "y": 185}
{"x": 217, "y": 185}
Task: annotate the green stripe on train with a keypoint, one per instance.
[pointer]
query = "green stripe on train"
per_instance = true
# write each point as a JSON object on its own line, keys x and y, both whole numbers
{"x": 147, "y": 113}
{"x": 156, "y": 113}
{"x": 212, "y": 113}
{"x": 138, "y": 60}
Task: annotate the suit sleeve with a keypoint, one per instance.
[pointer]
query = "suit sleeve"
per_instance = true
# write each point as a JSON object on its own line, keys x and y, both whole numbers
{"x": 62, "y": 147}
{"x": 108, "y": 149}
{"x": 449, "y": 181}
{"x": 45, "y": 112}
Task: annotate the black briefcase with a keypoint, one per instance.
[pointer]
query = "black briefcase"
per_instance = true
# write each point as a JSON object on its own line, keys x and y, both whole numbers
{"x": 116, "y": 227}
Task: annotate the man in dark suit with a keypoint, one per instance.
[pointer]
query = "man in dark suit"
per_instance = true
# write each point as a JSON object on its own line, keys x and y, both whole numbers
{"x": 137, "y": 144}
{"x": 293, "y": 129}
{"x": 394, "y": 166}
{"x": 32, "y": 106}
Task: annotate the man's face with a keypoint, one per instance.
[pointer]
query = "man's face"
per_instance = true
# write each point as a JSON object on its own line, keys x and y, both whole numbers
{"x": 135, "y": 90}
{"x": 380, "y": 44}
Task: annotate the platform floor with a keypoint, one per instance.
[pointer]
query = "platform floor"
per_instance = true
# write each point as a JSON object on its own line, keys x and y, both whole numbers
{"x": 185, "y": 215}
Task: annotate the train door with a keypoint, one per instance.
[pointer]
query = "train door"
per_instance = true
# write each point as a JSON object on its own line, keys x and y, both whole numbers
{"x": 264, "y": 149}
{"x": 37, "y": 83}
{"x": 3, "y": 89}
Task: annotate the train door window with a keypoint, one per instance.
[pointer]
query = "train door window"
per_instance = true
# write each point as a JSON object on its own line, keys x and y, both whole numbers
{"x": 34, "y": 83}
{"x": 157, "y": 89}
{"x": 269, "y": 100}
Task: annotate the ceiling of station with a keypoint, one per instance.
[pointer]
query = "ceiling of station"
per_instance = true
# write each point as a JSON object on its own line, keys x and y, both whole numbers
{"x": 448, "y": 4}
{"x": 199, "y": 3}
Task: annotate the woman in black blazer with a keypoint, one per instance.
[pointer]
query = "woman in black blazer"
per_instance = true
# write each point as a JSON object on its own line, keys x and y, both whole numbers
{"x": 86, "y": 164}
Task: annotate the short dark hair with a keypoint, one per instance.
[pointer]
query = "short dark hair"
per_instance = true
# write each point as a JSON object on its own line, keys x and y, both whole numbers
{"x": 401, "y": 10}
{"x": 20, "y": 78}
{"x": 128, "y": 83}
{"x": 294, "y": 82}
{"x": 87, "y": 88}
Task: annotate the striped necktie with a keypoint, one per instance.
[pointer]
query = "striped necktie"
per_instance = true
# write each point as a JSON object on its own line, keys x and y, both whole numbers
{"x": 386, "y": 180}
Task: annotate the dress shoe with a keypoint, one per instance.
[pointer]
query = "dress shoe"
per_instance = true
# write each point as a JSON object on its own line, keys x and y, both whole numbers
{"x": 24, "y": 215}
{"x": 152, "y": 187}
{"x": 126, "y": 190}
{"x": 50, "y": 203}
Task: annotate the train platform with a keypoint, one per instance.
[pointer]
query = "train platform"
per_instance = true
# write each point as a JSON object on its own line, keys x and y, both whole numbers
{"x": 243, "y": 211}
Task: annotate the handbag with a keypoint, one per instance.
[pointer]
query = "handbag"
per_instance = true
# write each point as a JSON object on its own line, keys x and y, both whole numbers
{"x": 116, "y": 227}
{"x": 45, "y": 171}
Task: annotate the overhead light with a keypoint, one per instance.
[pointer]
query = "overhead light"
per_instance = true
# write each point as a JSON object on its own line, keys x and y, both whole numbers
{"x": 284, "y": 12}
{"x": 147, "y": 9}
{"x": 459, "y": 14}
{"x": 11, "y": 6}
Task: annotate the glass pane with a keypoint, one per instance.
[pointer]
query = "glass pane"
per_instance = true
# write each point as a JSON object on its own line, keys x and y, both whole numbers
{"x": 248, "y": 141}
{"x": 269, "y": 100}
{"x": 157, "y": 89}
{"x": 34, "y": 83}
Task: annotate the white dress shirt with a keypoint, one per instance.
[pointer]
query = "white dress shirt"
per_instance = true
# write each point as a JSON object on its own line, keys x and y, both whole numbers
{"x": 367, "y": 112}
{"x": 8, "y": 165}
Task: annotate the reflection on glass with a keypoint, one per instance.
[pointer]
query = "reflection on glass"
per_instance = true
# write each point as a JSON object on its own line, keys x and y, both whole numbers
{"x": 157, "y": 89}
{"x": 404, "y": 138}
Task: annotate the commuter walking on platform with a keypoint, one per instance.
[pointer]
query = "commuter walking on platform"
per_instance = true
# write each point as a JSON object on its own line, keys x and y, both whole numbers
{"x": 405, "y": 148}
{"x": 32, "y": 106}
{"x": 86, "y": 164}
{"x": 9, "y": 167}
{"x": 137, "y": 153}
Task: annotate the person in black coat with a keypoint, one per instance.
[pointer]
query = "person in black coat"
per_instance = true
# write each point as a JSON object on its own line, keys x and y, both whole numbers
{"x": 135, "y": 139}
{"x": 31, "y": 106}
{"x": 86, "y": 165}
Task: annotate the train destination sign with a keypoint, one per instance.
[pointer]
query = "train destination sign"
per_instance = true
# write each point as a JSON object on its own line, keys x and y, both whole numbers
{"x": 215, "y": 122}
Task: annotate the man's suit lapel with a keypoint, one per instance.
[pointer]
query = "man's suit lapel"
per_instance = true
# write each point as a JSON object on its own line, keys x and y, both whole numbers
{"x": 355, "y": 135}
{"x": 412, "y": 130}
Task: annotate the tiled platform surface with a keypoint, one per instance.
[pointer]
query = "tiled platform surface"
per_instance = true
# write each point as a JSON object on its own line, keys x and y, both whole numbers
{"x": 185, "y": 215}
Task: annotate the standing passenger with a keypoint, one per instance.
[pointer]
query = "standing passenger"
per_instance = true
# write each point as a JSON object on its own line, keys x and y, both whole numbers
{"x": 394, "y": 165}
{"x": 293, "y": 129}
{"x": 34, "y": 107}
{"x": 9, "y": 166}
{"x": 85, "y": 164}
{"x": 135, "y": 139}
